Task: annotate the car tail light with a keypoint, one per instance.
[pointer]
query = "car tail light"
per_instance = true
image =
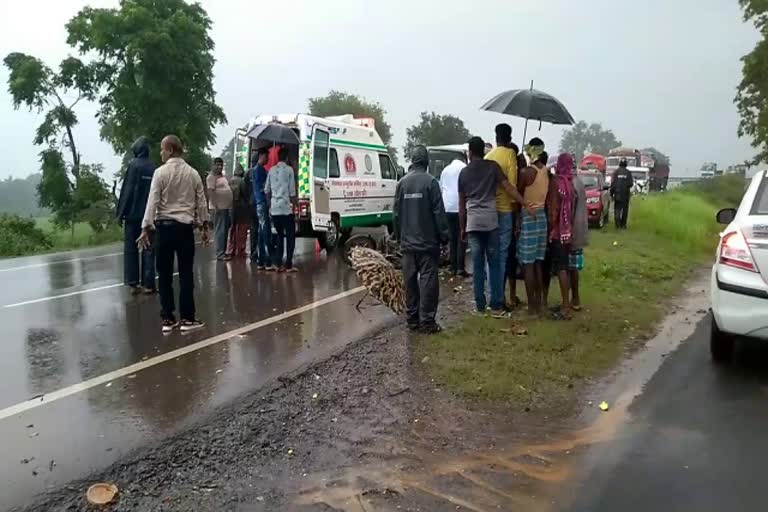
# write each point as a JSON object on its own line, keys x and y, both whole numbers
{"x": 734, "y": 252}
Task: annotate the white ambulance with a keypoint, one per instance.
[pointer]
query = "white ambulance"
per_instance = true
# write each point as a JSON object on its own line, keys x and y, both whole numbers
{"x": 345, "y": 175}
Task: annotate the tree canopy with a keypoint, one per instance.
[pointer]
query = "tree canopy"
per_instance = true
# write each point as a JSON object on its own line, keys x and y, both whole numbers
{"x": 154, "y": 59}
{"x": 434, "y": 130}
{"x": 228, "y": 154}
{"x": 585, "y": 138}
{"x": 337, "y": 103}
{"x": 752, "y": 93}
{"x": 73, "y": 191}
{"x": 18, "y": 196}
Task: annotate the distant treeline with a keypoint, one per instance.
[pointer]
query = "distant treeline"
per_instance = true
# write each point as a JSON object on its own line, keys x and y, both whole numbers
{"x": 19, "y": 196}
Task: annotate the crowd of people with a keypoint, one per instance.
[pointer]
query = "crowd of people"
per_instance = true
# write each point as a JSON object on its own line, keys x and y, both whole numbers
{"x": 255, "y": 200}
{"x": 518, "y": 217}
{"x": 160, "y": 209}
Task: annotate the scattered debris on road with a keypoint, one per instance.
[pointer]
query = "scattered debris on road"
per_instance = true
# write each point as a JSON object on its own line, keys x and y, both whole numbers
{"x": 101, "y": 494}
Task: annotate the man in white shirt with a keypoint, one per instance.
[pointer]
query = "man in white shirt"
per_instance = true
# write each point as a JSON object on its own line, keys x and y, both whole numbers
{"x": 175, "y": 207}
{"x": 449, "y": 186}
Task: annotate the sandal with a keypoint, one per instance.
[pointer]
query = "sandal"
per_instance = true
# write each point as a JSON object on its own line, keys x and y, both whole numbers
{"x": 560, "y": 316}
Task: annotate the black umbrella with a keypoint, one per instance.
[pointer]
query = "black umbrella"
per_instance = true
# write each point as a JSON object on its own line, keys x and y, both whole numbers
{"x": 274, "y": 133}
{"x": 530, "y": 104}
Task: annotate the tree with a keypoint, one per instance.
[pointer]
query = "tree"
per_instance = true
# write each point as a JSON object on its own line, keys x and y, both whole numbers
{"x": 434, "y": 130}
{"x": 18, "y": 196}
{"x": 228, "y": 153}
{"x": 155, "y": 60}
{"x": 752, "y": 92}
{"x": 337, "y": 103}
{"x": 67, "y": 188}
{"x": 583, "y": 138}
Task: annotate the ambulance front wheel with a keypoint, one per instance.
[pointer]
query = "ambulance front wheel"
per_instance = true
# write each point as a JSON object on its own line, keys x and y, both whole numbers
{"x": 329, "y": 240}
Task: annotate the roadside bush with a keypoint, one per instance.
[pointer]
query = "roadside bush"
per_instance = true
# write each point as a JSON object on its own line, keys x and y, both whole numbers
{"x": 722, "y": 191}
{"x": 684, "y": 219}
{"x": 19, "y": 235}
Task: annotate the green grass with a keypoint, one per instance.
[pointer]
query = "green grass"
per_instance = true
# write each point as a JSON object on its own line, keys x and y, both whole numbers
{"x": 628, "y": 279}
{"x": 84, "y": 236}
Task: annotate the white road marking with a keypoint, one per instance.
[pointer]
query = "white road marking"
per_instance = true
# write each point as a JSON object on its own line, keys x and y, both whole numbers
{"x": 56, "y": 262}
{"x": 143, "y": 365}
{"x": 64, "y": 295}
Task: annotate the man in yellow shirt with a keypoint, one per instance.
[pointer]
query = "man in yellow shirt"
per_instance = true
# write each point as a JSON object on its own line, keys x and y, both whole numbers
{"x": 506, "y": 206}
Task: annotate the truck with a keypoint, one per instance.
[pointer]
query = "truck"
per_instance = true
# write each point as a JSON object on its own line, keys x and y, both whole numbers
{"x": 658, "y": 172}
{"x": 594, "y": 162}
{"x": 616, "y": 155}
{"x": 345, "y": 175}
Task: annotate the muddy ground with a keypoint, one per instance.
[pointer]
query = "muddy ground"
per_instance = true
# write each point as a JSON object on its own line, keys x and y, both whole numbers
{"x": 363, "y": 430}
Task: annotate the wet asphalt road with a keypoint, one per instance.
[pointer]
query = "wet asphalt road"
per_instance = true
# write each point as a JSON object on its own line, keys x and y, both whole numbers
{"x": 66, "y": 320}
{"x": 696, "y": 438}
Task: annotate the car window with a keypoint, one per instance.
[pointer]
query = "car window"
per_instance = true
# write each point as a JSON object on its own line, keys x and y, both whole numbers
{"x": 440, "y": 159}
{"x": 760, "y": 206}
{"x": 590, "y": 181}
{"x": 333, "y": 165}
{"x": 387, "y": 169}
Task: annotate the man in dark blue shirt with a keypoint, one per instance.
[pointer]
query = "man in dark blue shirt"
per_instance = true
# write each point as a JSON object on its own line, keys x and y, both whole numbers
{"x": 261, "y": 228}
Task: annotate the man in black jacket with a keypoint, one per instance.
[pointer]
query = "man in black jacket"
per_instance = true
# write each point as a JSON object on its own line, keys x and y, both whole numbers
{"x": 130, "y": 211}
{"x": 421, "y": 227}
{"x": 621, "y": 191}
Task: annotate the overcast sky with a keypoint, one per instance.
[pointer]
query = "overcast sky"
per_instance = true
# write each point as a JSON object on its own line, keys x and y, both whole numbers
{"x": 658, "y": 73}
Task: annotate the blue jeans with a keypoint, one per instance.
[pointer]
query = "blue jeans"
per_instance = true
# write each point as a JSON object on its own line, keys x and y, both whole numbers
{"x": 262, "y": 235}
{"x": 222, "y": 221}
{"x": 506, "y": 235}
{"x": 485, "y": 251}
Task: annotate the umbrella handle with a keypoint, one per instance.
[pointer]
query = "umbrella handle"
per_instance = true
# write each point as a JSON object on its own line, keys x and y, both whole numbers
{"x": 525, "y": 133}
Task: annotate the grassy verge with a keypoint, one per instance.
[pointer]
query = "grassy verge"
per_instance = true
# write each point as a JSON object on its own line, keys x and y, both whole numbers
{"x": 628, "y": 278}
{"x": 84, "y": 235}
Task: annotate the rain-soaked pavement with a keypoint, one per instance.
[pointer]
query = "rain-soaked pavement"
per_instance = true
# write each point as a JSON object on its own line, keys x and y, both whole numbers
{"x": 694, "y": 439}
{"x": 86, "y": 377}
{"x": 68, "y": 406}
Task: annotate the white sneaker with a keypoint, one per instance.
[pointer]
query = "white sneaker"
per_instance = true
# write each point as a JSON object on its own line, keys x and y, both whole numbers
{"x": 191, "y": 325}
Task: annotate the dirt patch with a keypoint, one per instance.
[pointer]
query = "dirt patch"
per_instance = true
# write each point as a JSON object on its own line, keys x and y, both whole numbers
{"x": 363, "y": 430}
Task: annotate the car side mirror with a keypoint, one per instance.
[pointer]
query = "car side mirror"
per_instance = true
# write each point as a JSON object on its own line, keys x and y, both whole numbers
{"x": 400, "y": 171}
{"x": 726, "y": 215}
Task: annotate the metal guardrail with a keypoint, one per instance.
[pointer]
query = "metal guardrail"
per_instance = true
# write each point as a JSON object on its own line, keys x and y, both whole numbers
{"x": 676, "y": 181}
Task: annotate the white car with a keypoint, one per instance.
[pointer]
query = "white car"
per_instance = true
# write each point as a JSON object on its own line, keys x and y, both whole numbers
{"x": 739, "y": 289}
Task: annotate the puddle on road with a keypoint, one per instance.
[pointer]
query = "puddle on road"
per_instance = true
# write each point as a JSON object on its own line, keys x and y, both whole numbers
{"x": 517, "y": 477}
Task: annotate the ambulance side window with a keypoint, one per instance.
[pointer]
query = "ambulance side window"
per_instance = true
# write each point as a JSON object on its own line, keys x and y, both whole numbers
{"x": 387, "y": 169}
{"x": 333, "y": 165}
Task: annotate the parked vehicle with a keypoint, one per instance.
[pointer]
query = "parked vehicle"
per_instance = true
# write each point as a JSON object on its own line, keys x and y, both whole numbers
{"x": 739, "y": 289}
{"x": 598, "y": 198}
{"x": 441, "y": 157}
{"x": 640, "y": 178}
{"x": 615, "y": 156}
{"x": 345, "y": 176}
{"x": 594, "y": 163}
